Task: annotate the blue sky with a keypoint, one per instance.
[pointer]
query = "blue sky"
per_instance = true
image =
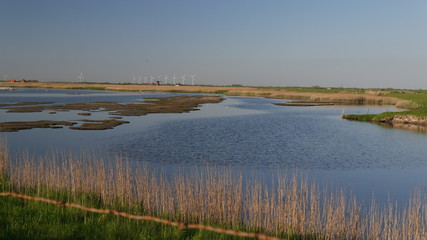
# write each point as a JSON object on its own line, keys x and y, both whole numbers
{"x": 363, "y": 43}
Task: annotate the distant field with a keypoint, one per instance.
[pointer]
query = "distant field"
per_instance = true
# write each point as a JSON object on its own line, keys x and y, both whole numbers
{"x": 338, "y": 95}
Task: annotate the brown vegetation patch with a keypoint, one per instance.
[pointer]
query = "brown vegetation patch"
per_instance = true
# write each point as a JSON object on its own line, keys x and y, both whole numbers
{"x": 24, "y": 104}
{"x": 305, "y": 104}
{"x": 176, "y": 104}
{"x": 16, "y": 126}
{"x": 98, "y": 124}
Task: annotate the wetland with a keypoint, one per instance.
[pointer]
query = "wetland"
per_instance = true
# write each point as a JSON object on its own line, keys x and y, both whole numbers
{"x": 173, "y": 104}
{"x": 245, "y": 133}
{"x": 248, "y": 142}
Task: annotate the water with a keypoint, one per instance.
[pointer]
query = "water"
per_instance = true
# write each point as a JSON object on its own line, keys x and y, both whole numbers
{"x": 244, "y": 133}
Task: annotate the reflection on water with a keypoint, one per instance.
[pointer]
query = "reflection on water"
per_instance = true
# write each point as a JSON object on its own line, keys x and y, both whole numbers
{"x": 277, "y": 137}
{"x": 410, "y": 127}
{"x": 249, "y": 134}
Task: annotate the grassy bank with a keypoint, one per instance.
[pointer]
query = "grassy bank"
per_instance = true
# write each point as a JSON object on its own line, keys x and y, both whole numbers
{"x": 416, "y": 105}
{"x": 216, "y": 196}
{"x": 23, "y": 219}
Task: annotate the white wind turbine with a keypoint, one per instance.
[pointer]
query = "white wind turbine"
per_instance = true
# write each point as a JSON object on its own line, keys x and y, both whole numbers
{"x": 145, "y": 79}
{"x": 81, "y": 77}
{"x": 151, "y": 78}
{"x": 183, "y": 79}
{"x": 192, "y": 78}
{"x": 174, "y": 79}
{"x": 166, "y": 79}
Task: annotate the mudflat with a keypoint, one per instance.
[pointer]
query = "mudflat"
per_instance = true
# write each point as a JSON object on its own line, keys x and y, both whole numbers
{"x": 175, "y": 104}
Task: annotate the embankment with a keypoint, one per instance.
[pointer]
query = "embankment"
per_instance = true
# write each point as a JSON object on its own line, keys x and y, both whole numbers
{"x": 401, "y": 121}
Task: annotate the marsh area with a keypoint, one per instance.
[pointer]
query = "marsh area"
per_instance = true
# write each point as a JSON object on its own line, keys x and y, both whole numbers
{"x": 251, "y": 135}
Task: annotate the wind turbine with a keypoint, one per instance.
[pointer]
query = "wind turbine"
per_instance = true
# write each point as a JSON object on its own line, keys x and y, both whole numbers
{"x": 151, "y": 78}
{"x": 139, "y": 78}
{"x": 81, "y": 77}
{"x": 192, "y": 78}
{"x": 174, "y": 79}
{"x": 134, "y": 79}
{"x": 145, "y": 79}
{"x": 166, "y": 79}
{"x": 183, "y": 79}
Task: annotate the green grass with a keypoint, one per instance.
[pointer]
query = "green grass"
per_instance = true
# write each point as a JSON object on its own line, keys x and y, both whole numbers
{"x": 314, "y": 89}
{"x": 417, "y": 106}
{"x": 90, "y": 88}
{"x": 24, "y": 219}
{"x": 419, "y": 97}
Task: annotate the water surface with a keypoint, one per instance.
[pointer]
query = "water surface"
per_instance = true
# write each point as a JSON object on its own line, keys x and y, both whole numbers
{"x": 244, "y": 133}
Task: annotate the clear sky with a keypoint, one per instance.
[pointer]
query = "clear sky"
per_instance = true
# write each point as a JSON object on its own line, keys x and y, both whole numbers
{"x": 354, "y": 43}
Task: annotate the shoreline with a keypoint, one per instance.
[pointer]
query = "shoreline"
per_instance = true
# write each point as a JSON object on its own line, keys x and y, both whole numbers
{"x": 302, "y": 98}
{"x": 374, "y": 98}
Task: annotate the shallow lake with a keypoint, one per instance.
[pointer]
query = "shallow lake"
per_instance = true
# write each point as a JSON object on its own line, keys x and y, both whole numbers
{"x": 244, "y": 133}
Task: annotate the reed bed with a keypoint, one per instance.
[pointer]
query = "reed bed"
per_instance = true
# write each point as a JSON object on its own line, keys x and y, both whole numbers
{"x": 289, "y": 206}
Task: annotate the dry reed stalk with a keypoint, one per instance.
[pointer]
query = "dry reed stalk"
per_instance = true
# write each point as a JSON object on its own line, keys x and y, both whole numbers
{"x": 328, "y": 216}
{"x": 4, "y": 156}
{"x": 281, "y": 207}
{"x": 375, "y": 221}
{"x": 391, "y": 227}
{"x": 237, "y": 202}
{"x": 415, "y": 219}
{"x": 340, "y": 215}
{"x": 303, "y": 204}
{"x": 212, "y": 194}
{"x": 355, "y": 229}
{"x": 314, "y": 217}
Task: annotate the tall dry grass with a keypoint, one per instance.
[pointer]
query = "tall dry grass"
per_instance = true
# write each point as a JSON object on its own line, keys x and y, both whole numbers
{"x": 4, "y": 156}
{"x": 291, "y": 207}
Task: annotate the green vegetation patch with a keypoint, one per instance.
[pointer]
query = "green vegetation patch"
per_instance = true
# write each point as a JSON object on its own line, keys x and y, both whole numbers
{"x": 418, "y": 101}
{"x": 315, "y": 89}
{"x": 363, "y": 117}
{"x": 416, "y": 105}
{"x": 221, "y": 91}
{"x": 23, "y": 219}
